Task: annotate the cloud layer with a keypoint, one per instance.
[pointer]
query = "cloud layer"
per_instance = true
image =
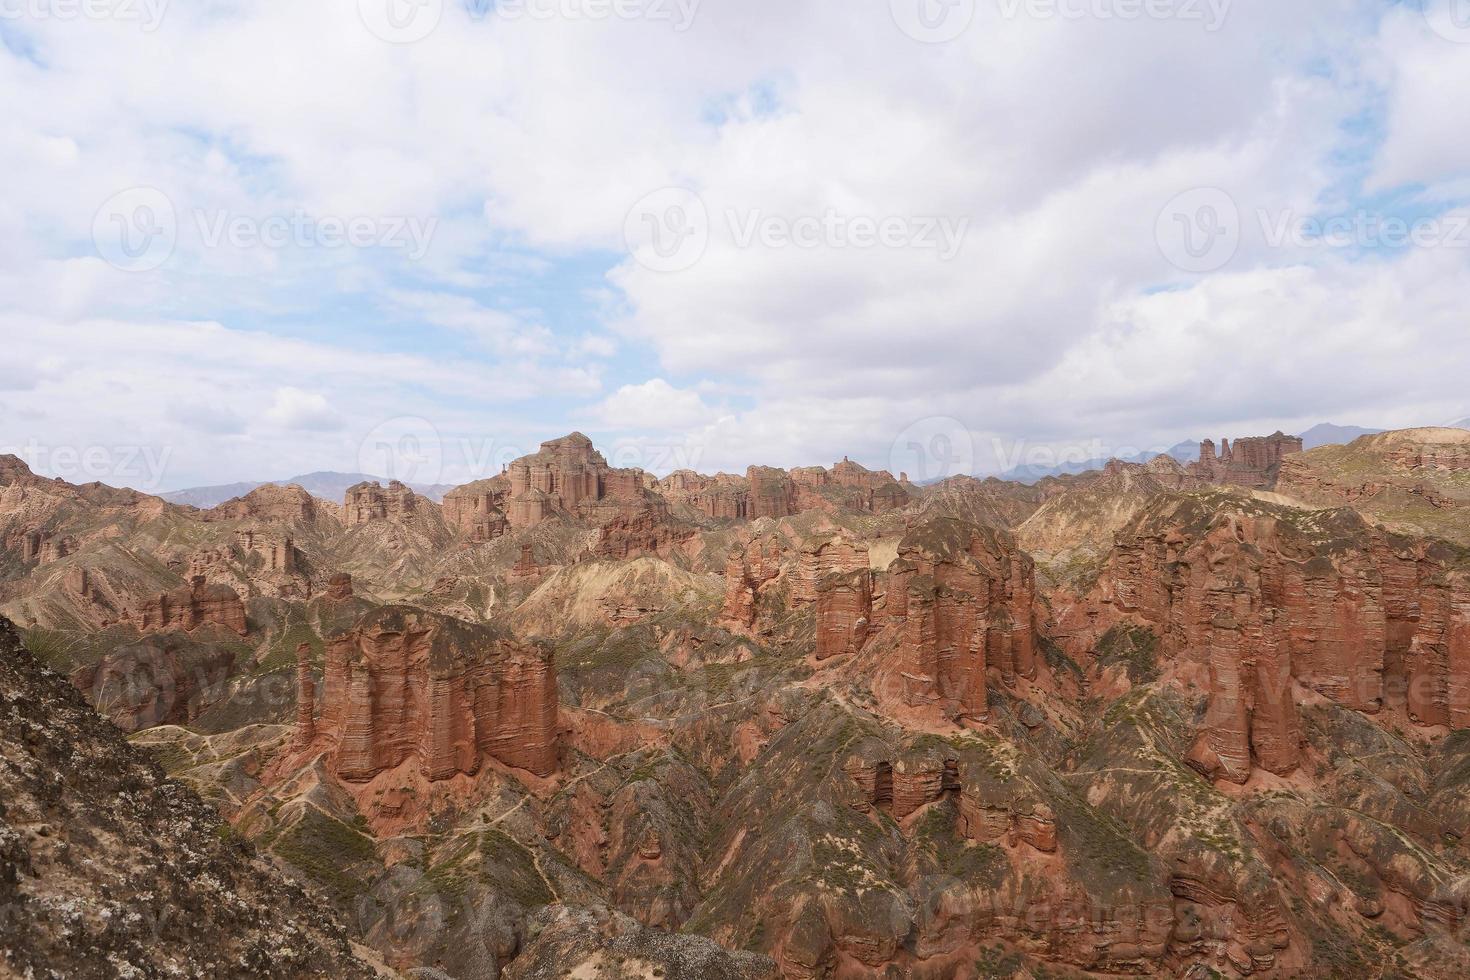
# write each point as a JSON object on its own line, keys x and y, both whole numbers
{"x": 724, "y": 232}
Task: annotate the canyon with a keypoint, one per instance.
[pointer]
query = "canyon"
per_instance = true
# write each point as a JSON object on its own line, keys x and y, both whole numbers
{"x": 1155, "y": 719}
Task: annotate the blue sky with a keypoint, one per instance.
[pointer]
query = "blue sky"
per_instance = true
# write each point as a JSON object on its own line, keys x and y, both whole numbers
{"x": 712, "y": 233}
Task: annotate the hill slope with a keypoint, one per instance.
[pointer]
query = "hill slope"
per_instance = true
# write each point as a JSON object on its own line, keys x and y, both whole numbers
{"x": 107, "y": 869}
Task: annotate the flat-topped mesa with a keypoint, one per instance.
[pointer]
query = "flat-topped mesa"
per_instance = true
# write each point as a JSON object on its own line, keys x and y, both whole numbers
{"x": 477, "y": 510}
{"x": 848, "y": 484}
{"x": 569, "y": 477}
{"x": 368, "y": 502}
{"x": 196, "y": 604}
{"x": 404, "y": 684}
{"x": 268, "y": 503}
{"x": 962, "y": 600}
{"x": 1253, "y": 462}
{"x": 772, "y": 493}
{"x": 1265, "y": 596}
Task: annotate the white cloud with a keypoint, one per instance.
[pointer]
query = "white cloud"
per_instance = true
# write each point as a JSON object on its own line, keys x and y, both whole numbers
{"x": 305, "y": 410}
{"x": 655, "y": 405}
{"x": 1057, "y": 140}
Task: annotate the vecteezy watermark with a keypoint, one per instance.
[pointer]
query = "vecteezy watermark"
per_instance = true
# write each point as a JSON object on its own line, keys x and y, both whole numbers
{"x": 670, "y": 230}
{"x": 1450, "y": 19}
{"x": 1364, "y": 229}
{"x": 1210, "y": 14}
{"x": 302, "y": 230}
{"x": 400, "y": 21}
{"x": 408, "y": 449}
{"x": 944, "y": 235}
{"x": 136, "y": 230}
{"x": 1199, "y": 230}
{"x": 139, "y": 467}
{"x": 933, "y": 21}
{"x": 147, "y": 14}
{"x": 933, "y": 449}
{"x": 679, "y": 14}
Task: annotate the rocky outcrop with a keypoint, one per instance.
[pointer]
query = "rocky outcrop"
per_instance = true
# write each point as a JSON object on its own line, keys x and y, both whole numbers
{"x": 772, "y": 493}
{"x": 477, "y": 510}
{"x": 721, "y": 497}
{"x": 195, "y": 605}
{"x": 156, "y": 681}
{"x": 269, "y": 503}
{"x": 1266, "y": 597}
{"x": 569, "y": 477}
{"x": 647, "y": 532}
{"x": 1253, "y": 462}
{"x": 368, "y": 502}
{"x": 1410, "y": 481}
{"x": 848, "y": 485}
{"x": 748, "y": 571}
{"x": 821, "y": 556}
{"x": 844, "y": 613}
{"x": 959, "y": 605}
{"x": 404, "y": 684}
{"x": 339, "y": 587}
{"x": 109, "y": 869}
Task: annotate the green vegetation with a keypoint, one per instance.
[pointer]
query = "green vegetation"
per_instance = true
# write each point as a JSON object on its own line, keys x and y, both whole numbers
{"x": 326, "y": 850}
{"x": 1135, "y": 647}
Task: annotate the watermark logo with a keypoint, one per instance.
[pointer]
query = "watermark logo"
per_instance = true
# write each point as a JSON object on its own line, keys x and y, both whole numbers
{"x": 407, "y": 233}
{"x": 1363, "y": 229}
{"x": 140, "y": 467}
{"x": 679, "y": 14}
{"x": 1199, "y": 230}
{"x": 668, "y": 230}
{"x": 1210, "y": 14}
{"x": 408, "y": 449}
{"x": 933, "y": 21}
{"x": 136, "y": 230}
{"x": 147, "y": 14}
{"x": 1450, "y": 19}
{"x": 942, "y": 234}
{"x": 400, "y": 21}
{"x": 933, "y": 449}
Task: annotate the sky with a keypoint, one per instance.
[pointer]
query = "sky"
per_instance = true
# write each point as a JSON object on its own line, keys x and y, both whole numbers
{"x": 415, "y": 238}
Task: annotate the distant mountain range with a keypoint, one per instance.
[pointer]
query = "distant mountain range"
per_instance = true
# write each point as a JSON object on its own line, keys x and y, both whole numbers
{"x": 1322, "y": 434}
{"x": 326, "y": 484}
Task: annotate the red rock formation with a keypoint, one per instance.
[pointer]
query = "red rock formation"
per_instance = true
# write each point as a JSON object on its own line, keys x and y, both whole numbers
{"x": 748, "y": 570}
{"x": 339, "y": 587}
{"x": 368, "y": 502}
{"x": 1267, "y": 596}
{"x": 568, "y": 476}
{"x": 525, "y": 569}
{"x": 772, "y": 493}
{"x": 1254, "y": 461}
{"x": 844, "y": 613}
{"x": 305, "y": 697}
{"x": 277, "y": 552}
{"x": 193, "y": 606}
{"x": 718, "y": 497}
{"x": 407, "y": 684}
{"x": 268, "y": 503}
{"x": 961, "y": 600}
{"x": 822, "y": 556}
{"x": 648, "y": 532}
{"x": 848, "y": 485}
{"x": 477, "y": 510}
